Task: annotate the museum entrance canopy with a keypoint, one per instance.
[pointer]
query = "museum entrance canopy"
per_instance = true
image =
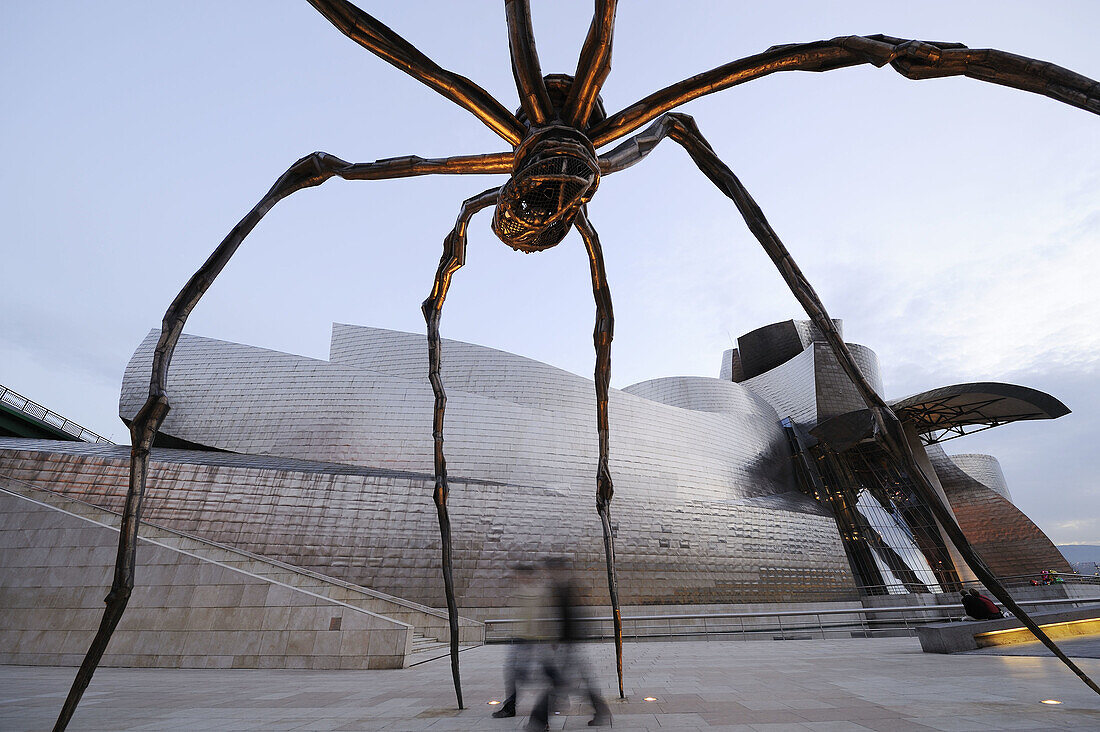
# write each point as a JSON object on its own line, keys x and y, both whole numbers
{"x": 960, "y": 409}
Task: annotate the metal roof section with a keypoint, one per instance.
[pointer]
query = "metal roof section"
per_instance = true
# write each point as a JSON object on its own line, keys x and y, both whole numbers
{"x": 769, "y": 346}
{"x": 845, "y": 431}
{"x": 952, "y": 411}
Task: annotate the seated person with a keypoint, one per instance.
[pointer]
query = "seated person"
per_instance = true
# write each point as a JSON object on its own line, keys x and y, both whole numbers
{"x": 973, "y": 606}
{"x": 990, "y": 607}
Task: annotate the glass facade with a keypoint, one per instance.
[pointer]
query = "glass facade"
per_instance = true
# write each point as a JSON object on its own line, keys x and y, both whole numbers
{"x": 891, "y": 539}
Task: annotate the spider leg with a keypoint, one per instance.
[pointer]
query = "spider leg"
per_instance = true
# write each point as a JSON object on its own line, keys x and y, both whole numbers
{"x": 601, "y": 337}
{"x": 454, "y": 256}
{"x": 891, "y": 433}
{"x": 593, "y": 66}
{"x": 380, "y": 40}
{"x": 526, "y": 69}
{"x": 912, "y": 59}
{"x": 312, "y": 170}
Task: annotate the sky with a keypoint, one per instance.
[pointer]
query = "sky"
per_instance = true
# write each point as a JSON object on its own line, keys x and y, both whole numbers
{"x": 953, "y": 225}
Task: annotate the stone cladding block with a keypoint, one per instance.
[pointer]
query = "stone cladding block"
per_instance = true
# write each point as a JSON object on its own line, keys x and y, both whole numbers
{"x": 185, "y": 612}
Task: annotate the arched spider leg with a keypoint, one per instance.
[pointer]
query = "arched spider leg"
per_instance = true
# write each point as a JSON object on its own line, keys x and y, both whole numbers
{"x": 891, "y": 434}
{"x": 912, "y": 59}
{"x": 593, "y": 66}
{"x": 601, "y": 337}
{"x": 454, "y": 256}
{"x": 380, "y": 40}
{"x": 312, "y": 170}
{"x": 533, "y": 97}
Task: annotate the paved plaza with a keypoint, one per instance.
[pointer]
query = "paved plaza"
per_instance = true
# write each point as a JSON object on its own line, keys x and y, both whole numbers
{"x": 887, "y": 685}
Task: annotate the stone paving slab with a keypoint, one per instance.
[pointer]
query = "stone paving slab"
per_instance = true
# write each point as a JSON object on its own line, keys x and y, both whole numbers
{"x": 884, "y": 685}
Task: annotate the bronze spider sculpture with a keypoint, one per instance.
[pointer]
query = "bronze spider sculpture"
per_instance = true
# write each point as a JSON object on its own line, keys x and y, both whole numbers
{"x": 553, "y": 171}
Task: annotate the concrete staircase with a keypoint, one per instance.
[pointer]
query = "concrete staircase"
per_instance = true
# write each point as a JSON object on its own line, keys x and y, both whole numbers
{"x": 431, "y": 627}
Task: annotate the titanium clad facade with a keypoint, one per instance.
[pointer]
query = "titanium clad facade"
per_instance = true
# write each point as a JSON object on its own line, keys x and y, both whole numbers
{"x": 1007, "y": 539}
{"x": 894, "y": 544}
{"x": 724, "y": 495}
{"x": 707, "y": 509}
{"x": 540, "y": 433}
{"x": 377, "y": 528}
{"x": 985, "y": 469}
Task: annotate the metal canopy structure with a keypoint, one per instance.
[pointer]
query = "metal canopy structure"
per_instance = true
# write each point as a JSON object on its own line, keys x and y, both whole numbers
{"x": 21, "y": 417}
{"x": 952, "y": 411}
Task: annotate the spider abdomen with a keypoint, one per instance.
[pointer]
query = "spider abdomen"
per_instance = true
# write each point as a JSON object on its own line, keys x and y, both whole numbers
{"x": 556, "y": 172}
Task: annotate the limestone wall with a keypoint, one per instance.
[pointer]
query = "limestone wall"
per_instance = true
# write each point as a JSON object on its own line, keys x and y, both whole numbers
{"x": 185, "y": 612}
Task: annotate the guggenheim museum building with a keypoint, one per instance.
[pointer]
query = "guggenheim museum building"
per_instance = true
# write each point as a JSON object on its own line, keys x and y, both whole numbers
{"x": 762, "y": 485}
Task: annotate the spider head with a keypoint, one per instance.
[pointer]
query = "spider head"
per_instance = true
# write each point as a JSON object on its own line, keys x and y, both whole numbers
{"x": 556, "y": 172}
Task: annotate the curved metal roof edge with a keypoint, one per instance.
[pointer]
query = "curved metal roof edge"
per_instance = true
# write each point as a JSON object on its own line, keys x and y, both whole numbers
{"x": 1050, "y": 406}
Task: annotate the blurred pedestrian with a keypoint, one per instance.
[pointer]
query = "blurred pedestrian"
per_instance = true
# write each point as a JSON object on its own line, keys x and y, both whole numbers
{"x": 567, "y": 667}
{"x": 522, "y": 662}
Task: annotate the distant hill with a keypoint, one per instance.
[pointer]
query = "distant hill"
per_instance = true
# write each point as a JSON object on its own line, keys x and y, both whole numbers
{"x": 1080, "y": 552}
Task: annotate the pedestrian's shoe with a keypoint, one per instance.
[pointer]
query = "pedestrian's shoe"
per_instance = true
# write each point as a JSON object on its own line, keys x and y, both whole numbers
{"x": 602, "y": 719}
{"x": 536, "y": 726}
{"x": 508, "y": 709}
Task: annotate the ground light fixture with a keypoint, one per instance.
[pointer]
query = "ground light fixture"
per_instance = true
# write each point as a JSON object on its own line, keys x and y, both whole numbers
{"x": 497, "y": 701}
{"x": 653, "y": 698}
{"x": 1050, "y": 701}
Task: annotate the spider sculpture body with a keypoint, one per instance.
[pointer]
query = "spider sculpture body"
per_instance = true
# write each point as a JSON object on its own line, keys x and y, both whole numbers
{"x": 553, "y": 170}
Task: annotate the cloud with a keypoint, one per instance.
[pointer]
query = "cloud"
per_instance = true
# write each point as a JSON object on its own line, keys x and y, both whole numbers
{"x": 1022, "y": 302}
{"x": 1077, "y": 526}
